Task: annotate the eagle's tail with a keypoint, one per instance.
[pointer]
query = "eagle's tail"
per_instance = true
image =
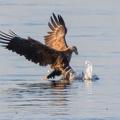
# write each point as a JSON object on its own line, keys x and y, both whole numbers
{"x": 52, "y": 74}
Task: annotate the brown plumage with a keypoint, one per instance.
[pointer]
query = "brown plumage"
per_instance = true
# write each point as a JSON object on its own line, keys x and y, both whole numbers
{"x": 56, "y": 38}
{"x": 42, "y": 54}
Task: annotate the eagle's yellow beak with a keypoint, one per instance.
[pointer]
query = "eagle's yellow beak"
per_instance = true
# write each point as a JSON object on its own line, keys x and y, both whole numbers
{"x": 76, "y": 52}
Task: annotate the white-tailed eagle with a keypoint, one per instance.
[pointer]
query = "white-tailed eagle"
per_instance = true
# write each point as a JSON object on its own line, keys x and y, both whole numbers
{"x": 54, "y": 52}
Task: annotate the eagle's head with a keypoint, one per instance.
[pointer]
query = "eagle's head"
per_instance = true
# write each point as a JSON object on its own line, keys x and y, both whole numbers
{"x": 73, "y": 49}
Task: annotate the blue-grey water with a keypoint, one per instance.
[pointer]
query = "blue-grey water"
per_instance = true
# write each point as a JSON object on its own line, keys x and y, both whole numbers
{"x": 94, "y": 27}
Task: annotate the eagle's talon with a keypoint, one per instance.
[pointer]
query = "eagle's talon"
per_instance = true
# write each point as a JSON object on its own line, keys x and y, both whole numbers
{"x": 45, "y": 78}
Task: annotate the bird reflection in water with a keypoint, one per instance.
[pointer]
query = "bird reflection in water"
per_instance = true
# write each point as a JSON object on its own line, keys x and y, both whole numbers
{"x": 60, "y": 84}
{"x": 57, "y": 84}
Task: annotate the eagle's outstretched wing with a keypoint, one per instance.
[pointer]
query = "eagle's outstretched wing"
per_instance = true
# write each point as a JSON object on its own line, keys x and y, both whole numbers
{"x": 56, "y": 38}
{"x": 32, "y": 50}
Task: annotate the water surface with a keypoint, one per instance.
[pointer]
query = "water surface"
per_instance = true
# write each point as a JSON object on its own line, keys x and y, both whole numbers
{"x": 93, "y": 26}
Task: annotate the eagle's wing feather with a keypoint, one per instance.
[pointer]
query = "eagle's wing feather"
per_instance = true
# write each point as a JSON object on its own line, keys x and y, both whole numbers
{"x": 30, "y": 48}
{"x": 56, "y": 38}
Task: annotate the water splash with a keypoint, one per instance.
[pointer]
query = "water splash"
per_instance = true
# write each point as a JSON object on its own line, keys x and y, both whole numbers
{"x": 84, "y": 75}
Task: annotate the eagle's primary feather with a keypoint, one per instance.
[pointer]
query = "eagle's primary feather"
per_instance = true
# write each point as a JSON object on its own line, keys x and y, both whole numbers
{"x": 56, "y": 38}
